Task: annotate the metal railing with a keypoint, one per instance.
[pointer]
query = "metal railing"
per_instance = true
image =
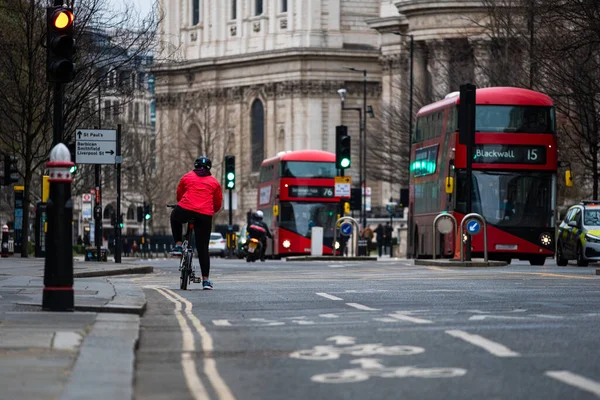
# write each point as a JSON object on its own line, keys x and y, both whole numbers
{"x": 355, "y": 234}
{"x": 435, "y": 221}
{"x": 462, "y": 227}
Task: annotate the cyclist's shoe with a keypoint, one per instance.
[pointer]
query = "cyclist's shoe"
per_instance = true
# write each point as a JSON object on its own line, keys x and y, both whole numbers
{"x": 206, "y": 285}
{"x": 176, "y": 250}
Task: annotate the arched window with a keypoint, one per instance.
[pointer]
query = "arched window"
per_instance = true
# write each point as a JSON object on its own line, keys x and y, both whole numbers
{"x": 195, "y": 12}
{"x": 281, "y": 139}
{"x": 131, "y": 213}
{"x": 109, "y": 210}
{"x": 284, "y": 6}
{"x": 257, "y": 136}
{"x": 258, "y": 7}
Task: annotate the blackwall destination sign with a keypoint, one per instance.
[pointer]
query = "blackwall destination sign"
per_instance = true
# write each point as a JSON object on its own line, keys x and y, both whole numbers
{"x": 509, "y": 154}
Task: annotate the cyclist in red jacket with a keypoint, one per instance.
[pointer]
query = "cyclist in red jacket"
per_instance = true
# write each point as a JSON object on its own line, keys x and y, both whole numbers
{"x": 199, "y": 197}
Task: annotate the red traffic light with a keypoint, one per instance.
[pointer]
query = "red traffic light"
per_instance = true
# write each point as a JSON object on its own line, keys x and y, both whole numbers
{"x": 62, "y": 19}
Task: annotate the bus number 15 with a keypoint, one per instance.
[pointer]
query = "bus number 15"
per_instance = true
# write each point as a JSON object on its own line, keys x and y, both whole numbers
{"x": 532, "y": 154}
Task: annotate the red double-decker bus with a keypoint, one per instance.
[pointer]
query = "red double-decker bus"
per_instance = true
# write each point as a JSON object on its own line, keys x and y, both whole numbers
{"x": 514, "y": 175}
{"x": 295, "y": 193}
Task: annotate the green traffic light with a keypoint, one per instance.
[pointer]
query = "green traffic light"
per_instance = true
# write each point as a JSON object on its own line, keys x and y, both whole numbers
{"x": 230, "y": 185}
{"x": 148, "y": 216}
{"x": 121, "y": 225}
{"x": 230, "y": 176}
{"x": 345, "y": 163}
{"x": 73, "y": 169}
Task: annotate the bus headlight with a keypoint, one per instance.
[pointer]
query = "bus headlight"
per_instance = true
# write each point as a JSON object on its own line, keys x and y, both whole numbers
{"x": 545, "y": 239}
{"x": 286, "y": 244}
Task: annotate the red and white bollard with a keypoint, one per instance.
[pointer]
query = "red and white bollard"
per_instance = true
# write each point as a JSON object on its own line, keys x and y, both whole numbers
{"x": 4, "y": 241}
{"x": 58, "y": 268}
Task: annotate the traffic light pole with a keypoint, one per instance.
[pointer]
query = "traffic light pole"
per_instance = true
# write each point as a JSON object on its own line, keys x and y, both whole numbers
{"x": 118, "y": 245}
{"x": 230, "y": 228}
{"x": 58, "y": 121}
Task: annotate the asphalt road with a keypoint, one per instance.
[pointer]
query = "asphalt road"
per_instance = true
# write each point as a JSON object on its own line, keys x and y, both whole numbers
{"x": 385, "y": 330}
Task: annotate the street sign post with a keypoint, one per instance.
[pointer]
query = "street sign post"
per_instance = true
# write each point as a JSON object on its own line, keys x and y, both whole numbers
{"x": 473, "y": 227}
{"x": 342, "y": 186}
{"x": 346, "y": 228}
{"x": 96, "y": 146}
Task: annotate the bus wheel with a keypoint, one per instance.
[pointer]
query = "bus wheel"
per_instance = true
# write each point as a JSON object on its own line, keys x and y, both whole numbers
{"x": 537, "y": 260}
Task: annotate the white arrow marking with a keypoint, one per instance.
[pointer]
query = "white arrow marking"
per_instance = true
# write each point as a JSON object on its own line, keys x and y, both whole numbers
{"x": 328, "y": 316}
{"x": 402, "y": 317}
{"x": 342, "y": 340}
{"x": 368, "y": 363}
{"x": 482, "y": 317}
{"x": 221, "y": 322}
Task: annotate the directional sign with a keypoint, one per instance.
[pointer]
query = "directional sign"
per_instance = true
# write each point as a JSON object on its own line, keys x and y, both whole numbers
{"x": 342, "y": 186}
{"x": 95, "y": 146}
{"x": 346, "y": 229}
{"x": 473, "y": 227}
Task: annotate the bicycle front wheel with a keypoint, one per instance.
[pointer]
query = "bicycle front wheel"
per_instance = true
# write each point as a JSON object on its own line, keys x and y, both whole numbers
{"x": 185, "y": 272}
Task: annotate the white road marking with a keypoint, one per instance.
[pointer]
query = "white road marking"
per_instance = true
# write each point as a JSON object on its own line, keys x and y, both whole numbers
{"x": 491, "y": 347}
{"x": 303, "y": 322}
{"x": 361, "y": 307}
{"x": 337, "y": 265}
{"x": 576, "y": 380}
{"x": 548, "y": 316}
{"x": 368, "y": 363}
{"x": 342, "y": 340}
{"x": 385, "y": 319}
{"x": 221, "y": 322}
{"x": 194, "y": 384}
{"x": 66, "y": 340}
{"x": 328, "y": 316}
{"x": 482, "y": 317}
{"x": 478, "y": 312}
{"x": 328, "y": 296}
{"x": 210, "y": 365}
{"x": 267, "y": 322}
{"x": 407, "y": 318}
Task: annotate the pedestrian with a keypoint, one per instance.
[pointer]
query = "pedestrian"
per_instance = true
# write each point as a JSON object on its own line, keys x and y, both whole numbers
{"x": 126, "y": 247}
{"x": 134, "y": 247}
{"x": 379, "y": 231}
{"x": 388, "y": 237}
{"x": 367, "y": 234}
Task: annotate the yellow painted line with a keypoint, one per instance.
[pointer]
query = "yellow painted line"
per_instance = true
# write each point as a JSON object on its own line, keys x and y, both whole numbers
{"x": 550, "y": 275}
{"x": 436, "y": 268}
{"x": 210, "y": 365}
{"x": 194, "y": 384}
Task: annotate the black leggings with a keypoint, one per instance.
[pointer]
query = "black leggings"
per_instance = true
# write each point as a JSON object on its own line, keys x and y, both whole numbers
{"x": 202, "y": 228}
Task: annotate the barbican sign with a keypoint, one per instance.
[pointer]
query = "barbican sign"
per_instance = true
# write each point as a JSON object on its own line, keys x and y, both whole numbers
{"x": 509, "y": 154}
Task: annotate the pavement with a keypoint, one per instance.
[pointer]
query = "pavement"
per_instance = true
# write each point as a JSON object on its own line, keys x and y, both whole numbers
{"x": 88, "y": 353}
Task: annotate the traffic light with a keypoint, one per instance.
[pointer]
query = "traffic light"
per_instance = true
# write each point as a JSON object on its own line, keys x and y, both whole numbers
{"x": 60, "y": 44}
{"x": 147, "y": 211}
{"x": 74, "y": 168}
{"x": 342, "y": 147}
{"x": 230, "y": 172}
{"x": 121, "y": 221}
{"x": 10, "y": 170}
{"x": 355, "y": 198}
{"x": 140, "y": 214}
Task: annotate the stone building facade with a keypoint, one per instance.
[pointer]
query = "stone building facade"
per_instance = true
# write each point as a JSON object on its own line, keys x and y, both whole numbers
{"x": 255, "y": 77}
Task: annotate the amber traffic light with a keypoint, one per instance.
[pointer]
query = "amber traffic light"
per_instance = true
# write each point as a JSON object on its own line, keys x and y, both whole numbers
{"x": 60, "y": 44}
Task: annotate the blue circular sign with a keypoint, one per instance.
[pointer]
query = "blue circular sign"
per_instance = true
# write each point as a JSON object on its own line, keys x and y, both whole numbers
{"x": 346, "y": 228}
{"x": 473, "y": 227}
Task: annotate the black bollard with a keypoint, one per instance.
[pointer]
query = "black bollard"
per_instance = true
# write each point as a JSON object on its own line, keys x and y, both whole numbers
{"x": 58, "y": 268}
{"x": 5, "y": 241}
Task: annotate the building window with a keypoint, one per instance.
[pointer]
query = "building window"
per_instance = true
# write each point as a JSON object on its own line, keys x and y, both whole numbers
{"x": 258, "y": 7}
{"x": 257, "y": 136}
{"x": 284, "y": 6}
{"x": 136, "y": 113}
{"x": 131, "y": 213}
{"x": 195, "y": 12}
{"x": 107, "y": 110}
{"x": 233, "y": 9}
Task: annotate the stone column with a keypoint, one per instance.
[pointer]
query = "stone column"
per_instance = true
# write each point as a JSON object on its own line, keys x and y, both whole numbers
{"x": 481, "y": 56}
{"x": 438, "y": 68}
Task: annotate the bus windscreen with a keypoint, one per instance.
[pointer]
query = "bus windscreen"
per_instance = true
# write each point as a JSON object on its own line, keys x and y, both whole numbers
{"x": 308, "y": 169}
{"x": 509, "y": 199}
{"x": 299, "y": 217}
{"x": 514, "y": 119}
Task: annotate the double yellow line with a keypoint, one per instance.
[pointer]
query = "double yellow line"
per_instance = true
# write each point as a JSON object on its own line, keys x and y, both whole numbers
{"x": 183, "y": 310}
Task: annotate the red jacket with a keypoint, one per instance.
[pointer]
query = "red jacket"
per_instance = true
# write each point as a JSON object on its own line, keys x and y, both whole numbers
{"x": 201, "y": 194}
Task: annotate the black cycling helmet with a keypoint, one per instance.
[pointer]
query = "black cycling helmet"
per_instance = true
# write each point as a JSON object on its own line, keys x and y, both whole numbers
{"x": 203, "y": 162}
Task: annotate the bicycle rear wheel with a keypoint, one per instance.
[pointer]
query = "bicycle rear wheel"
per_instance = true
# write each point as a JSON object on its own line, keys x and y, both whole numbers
{"x": 185, "y": 273}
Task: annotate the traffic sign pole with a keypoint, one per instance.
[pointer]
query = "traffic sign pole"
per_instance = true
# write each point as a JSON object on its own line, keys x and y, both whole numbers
{"x": 118, "y": 246}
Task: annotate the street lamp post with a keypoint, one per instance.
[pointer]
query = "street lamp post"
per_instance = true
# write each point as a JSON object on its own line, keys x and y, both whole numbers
{"x": 410, "y": 113}
{"x": 363, "y": 143}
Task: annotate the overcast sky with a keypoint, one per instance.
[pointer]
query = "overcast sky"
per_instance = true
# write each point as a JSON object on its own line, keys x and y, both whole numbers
{"x": 143, "y": 6}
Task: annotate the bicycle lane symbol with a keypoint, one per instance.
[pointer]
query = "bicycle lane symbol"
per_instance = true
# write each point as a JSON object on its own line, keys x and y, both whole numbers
{"x": 370, "y": 367}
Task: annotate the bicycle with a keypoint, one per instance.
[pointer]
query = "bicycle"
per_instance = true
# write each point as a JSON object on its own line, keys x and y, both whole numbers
{"x": 186, "y": 263}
